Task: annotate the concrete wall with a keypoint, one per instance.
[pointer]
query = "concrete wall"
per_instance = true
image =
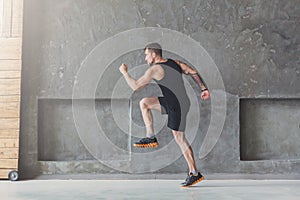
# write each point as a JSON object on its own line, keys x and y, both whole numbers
{"x": 254, "y": 44}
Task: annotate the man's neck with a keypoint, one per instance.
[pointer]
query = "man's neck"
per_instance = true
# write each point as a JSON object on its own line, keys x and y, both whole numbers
{"x": 159, "y": 60}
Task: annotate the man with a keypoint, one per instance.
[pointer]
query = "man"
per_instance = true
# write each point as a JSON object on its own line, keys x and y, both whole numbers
{"x": 175, "y": 102}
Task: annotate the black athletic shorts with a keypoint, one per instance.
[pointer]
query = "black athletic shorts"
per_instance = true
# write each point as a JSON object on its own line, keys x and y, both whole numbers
{"x": 177, "y": 113}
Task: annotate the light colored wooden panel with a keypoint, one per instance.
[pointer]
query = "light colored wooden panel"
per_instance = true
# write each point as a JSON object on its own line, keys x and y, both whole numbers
{"x": 12, "y": 98}
{"x": 10, "y": 110}
{"x": 10, "y": 74}
{"x": 17, "y": 18}
{"x": 10, "y": 65}
{"x": 9, "y": 123}
{"x": 9, "y": 133}
{"x": 9, "y": 143}
{"x": 8, "y": 163}
{"x": 10, "y": 87}
{"x": 7, "y": 18}
{"x": 10, "y": 48}
{"x": 1, "y": 16}
{"x": 9, "y": 153}
{"x": 4, "y": 173}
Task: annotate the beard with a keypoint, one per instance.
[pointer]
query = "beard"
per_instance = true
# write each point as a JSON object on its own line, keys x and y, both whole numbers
{"x": 151, "y": 63}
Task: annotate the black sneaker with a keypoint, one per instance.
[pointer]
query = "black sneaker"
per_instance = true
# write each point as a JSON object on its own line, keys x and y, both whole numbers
{"x": 185, "y": 180}
{"x": 146, "y": 143}
{"x": 192, "y": 179}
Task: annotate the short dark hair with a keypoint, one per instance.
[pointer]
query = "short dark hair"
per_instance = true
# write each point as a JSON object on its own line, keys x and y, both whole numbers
{"x": 155, "y": 47}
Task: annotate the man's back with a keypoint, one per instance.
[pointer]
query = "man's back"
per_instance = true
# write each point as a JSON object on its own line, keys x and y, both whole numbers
{"x": 172, "y": 85}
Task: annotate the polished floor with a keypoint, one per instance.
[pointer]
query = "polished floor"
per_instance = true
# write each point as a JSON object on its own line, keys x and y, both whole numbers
{"x": 149, "y": 189}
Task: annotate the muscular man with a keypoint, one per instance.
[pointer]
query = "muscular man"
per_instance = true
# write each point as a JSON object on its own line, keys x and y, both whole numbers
{"x": 167, "y": 73}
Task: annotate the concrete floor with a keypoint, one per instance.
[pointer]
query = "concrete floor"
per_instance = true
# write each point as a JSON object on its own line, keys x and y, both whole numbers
{"x": 149, "y": 189}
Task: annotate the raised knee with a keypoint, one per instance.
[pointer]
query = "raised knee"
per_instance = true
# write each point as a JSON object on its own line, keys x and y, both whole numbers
{"x": 143, "y": 104}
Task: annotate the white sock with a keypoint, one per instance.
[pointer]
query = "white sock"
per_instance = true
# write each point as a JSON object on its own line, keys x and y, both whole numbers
{"x": 150, "y": 135}
{"x": 194, "y": 172}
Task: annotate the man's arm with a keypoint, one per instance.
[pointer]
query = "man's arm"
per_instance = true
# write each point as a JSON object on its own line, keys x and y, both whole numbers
{"x": 139, "y": 83}
{"x": 193, "y": 73}
{"x": 196, "y": 77}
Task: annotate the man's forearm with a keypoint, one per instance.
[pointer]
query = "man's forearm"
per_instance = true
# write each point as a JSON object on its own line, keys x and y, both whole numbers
{"x": 197, "y": 78}
{"x": 193, "y": 73}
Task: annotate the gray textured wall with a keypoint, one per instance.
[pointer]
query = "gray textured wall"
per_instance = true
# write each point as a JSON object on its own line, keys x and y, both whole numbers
{"x": 255, "y": 45}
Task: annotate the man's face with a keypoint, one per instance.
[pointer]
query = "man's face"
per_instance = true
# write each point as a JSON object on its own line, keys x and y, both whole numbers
{"x": 149, "y": 56}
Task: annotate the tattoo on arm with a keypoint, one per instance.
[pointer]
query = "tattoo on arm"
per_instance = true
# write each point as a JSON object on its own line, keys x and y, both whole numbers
{"x": 193, "y": 73}
{"x": 199, "y": 81}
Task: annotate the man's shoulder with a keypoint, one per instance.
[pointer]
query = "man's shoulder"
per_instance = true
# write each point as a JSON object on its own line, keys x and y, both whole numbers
{"x": 170, "y": 60}
{"x": 156, "y": 67}
{"x": 156, "y": 71}
{"x": 174, "y": 62}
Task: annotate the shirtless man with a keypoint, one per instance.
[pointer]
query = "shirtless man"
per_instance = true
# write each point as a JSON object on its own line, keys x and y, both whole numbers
{"x": 167, "y": 73}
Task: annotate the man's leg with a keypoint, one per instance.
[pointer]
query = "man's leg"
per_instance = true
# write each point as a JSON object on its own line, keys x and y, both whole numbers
{"x": 146, "y": 105}
{"x": 194, "y": 176}
{"x": 186, "y": 149}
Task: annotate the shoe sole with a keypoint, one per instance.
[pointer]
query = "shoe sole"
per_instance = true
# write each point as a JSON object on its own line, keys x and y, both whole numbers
{"x": 195, "y": 182}
{"x": 151, "y": 145}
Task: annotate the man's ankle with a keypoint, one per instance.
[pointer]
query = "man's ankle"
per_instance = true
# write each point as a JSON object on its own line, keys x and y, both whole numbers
{"x": 194, "y": 172}
{"x": 150, "y": 135}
